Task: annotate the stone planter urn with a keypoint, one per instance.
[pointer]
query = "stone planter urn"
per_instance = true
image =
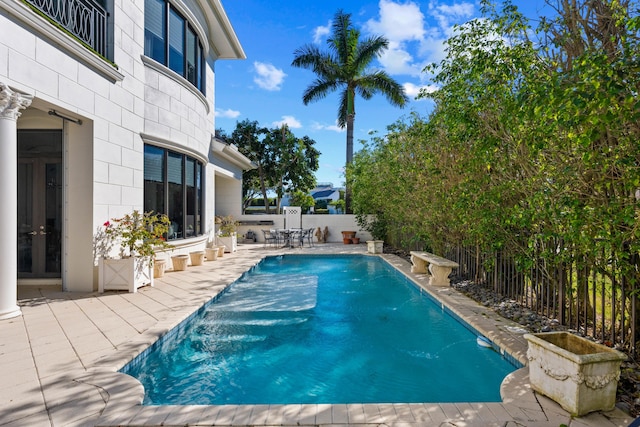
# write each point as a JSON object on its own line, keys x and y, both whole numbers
{"x": 159, "y": 266}
{"x": 124, "y": 274}
{"x": 375, "y": 246}
{"x": 220, "y": 251}
{"x": 211, "y": 253}
{"x": 580, "y": 375}
{"x": 197, "y": 257}
{"x": 180, "y": 262}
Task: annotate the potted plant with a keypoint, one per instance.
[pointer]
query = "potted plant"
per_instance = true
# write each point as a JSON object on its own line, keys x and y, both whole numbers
{"x": 347, "y": 237}
{"x": 227, "y": 232}
{"x": 139, "y": 236}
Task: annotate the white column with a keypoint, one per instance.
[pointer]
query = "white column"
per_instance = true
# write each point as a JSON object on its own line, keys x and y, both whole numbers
{"x": 11, "y": 105}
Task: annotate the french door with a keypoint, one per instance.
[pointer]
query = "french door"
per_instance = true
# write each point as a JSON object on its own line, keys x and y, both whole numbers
{"x": 39, "y": 203}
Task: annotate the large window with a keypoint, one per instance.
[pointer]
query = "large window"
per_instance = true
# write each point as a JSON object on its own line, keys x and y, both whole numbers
{"x": 173, "y": 186}
{"x": 170, "y": 40}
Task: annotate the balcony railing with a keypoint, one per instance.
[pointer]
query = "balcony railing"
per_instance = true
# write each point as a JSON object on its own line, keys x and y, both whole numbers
{"x": 85, "y": 19}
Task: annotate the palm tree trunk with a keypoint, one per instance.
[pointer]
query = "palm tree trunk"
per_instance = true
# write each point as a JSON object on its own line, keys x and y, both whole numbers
{"x": 347, "y": 191}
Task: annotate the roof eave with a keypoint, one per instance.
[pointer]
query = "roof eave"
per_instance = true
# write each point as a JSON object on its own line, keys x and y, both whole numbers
{"x": 231, "y": 154}
{"x": 223, "y": 41}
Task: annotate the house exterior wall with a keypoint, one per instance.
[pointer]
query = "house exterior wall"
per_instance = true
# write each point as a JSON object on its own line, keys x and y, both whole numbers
{"x": 121, "y": 109}
{"x": 335, "y": 224}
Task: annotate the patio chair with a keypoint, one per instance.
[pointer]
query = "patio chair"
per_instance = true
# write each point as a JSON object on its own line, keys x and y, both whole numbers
{"x": 309, "y": 234}
{"x": 270, "y": 238}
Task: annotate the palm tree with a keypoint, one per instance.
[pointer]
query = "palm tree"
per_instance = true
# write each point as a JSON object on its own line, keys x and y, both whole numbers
{"x": 345, "y": 67}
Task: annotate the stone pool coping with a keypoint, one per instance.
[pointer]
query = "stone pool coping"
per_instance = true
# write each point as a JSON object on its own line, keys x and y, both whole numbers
{"x": 60, "y": 360}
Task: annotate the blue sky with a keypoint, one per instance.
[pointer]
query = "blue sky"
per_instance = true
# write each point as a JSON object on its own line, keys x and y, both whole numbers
{"x": 265, "y": 87}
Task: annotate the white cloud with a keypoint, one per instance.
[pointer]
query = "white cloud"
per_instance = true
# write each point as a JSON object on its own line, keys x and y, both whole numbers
{"x": 333, "y": 128}
{"x": 268, "y": 76}
{"x": 290, "y": 121}
{"x": 445, "y": 14}
{"x": 413, "y": 90}
{"x": 416, "y": 38}
{"x": 321, "y": 32}
{"x": 398, "y": 22}
{"x": 397, "y": 60}
{"x": 227, "y": 114}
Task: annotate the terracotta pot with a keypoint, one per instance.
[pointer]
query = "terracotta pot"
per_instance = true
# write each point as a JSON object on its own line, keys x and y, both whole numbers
{"x": 355, "y": 240}
{"x": 179, "y": 262}
{"x": 211, "y": 253}
{"x": 159, "y": 265}
{"x": 347, "y": 240}
{"x": 197, "y": 257}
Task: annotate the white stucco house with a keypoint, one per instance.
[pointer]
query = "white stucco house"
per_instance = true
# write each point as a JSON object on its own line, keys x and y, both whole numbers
{"x": 106, "y": 107}
{"x": 327, "y": 193}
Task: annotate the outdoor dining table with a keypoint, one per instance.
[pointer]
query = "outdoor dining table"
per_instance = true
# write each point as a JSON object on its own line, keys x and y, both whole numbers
{"x": 289, "y": 236}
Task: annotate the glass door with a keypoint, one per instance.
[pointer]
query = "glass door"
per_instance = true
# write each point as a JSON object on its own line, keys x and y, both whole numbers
{"x": 39, "y": 203}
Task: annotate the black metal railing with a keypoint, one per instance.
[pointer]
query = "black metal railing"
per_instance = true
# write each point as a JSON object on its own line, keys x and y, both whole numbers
{"x": 595, "y": 294}
{"x": 85, "y": 19}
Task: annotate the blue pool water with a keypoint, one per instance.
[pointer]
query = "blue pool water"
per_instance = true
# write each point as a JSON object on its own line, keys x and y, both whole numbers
{"x": 323, "y": 329}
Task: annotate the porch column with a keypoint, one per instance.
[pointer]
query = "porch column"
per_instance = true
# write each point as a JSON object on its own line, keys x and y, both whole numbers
{"x": 11, "y": 104}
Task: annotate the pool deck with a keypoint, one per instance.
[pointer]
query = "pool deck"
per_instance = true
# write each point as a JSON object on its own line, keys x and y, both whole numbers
{"x": 59, "y": 360}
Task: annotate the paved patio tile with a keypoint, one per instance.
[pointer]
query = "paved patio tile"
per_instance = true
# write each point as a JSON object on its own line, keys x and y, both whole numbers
{"x": 403, "y": 412}
{"x": 339, "y": 414}
{"x": 420, "y": 413}
{"x": 324, "y": 414}
{"x": 372, "y": 413}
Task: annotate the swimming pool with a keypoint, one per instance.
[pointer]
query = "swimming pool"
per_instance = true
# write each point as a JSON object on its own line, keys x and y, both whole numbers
{"x": 320, "y": 329}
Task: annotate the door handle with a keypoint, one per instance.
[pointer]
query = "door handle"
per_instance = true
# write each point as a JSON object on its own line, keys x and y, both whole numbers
{"x": 33, "y": 233}
{"x": 42, "y": 232}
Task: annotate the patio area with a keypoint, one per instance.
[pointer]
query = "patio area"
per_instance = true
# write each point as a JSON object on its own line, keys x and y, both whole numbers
{"x": 58, "y": 361}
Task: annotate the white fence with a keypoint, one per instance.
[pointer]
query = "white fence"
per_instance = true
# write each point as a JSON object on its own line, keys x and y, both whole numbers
{"x": 336, "y": 224}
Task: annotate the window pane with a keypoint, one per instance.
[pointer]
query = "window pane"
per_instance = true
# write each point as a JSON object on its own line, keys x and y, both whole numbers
{"x": 173, "y": 185}
{"x": 200, "y": 68}
{"x": 155, "y": 29}
{"x": 176, "y": 42}
{"x": 192, "y": 58}
{"x": 176, "y": 196}
{"x": 203, "y": 69}
{"x": 198, "y": 225}
{"x": 154, "y": 179}
{"x": 191, "y": 197}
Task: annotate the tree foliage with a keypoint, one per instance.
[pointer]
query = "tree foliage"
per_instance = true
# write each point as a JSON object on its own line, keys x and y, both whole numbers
{"x": 285, "y": 163}
{"x": 530, "y": 141}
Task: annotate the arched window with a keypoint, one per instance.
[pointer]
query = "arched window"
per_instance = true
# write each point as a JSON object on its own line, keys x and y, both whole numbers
{"x": 172, "y": 41}
{"x": 173, "y": 186}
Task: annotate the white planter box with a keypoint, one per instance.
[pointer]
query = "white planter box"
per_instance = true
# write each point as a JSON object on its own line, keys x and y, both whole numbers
{"x": 580, "y": 375}
{"x": 126, "y": 274}
{"x": 375, "y": 246}
{"x": 230, "y": 243}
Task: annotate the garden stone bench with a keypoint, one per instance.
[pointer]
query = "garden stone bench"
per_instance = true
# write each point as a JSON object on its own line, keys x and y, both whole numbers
{"x": 439, "y": 267}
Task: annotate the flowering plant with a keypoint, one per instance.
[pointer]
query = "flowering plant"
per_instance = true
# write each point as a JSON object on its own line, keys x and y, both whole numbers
{"x": 138, "y": 234}
{"x": 228, "y": 225}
